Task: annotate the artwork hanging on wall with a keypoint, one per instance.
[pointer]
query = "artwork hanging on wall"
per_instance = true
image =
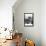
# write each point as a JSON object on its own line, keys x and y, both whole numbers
{"x": 28, "y": 19}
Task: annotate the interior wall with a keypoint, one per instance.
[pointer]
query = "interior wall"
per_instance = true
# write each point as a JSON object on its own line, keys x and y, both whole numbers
{"x": 29, "y": 6}
{"x": 6, "y": 13}
{"x": 43, "y": 22}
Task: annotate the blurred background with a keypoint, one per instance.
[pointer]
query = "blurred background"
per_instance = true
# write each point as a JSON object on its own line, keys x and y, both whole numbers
{"x": 18, "y": 8}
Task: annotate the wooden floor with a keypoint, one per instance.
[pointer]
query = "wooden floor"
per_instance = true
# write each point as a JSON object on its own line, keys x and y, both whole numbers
{"x": 9, "y": 43}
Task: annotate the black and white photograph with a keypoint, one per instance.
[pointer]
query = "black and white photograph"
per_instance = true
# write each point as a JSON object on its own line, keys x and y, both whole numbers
{"x": 28, "y": 19}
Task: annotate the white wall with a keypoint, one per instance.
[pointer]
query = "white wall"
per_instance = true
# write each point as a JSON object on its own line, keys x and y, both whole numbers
{"x": 6, "y": 13}
{"x": 43, "y": 22}
{"x": 28, "y": 6}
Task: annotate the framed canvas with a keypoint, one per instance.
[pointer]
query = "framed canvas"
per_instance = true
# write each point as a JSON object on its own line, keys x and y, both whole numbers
{"x": 28, "y": 19}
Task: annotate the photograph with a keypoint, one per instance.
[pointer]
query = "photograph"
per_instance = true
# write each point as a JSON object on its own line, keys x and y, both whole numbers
{"x": 28, "y": 19}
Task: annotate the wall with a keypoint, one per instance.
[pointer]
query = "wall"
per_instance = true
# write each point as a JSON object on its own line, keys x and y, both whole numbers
{"x": 28, "y": 6}
{"x": 43, "y": 22}
{"x": 6, "y": 13}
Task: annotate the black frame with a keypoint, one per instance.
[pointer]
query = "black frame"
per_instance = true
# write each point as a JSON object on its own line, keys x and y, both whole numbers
{"x": 29, "y": 20}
